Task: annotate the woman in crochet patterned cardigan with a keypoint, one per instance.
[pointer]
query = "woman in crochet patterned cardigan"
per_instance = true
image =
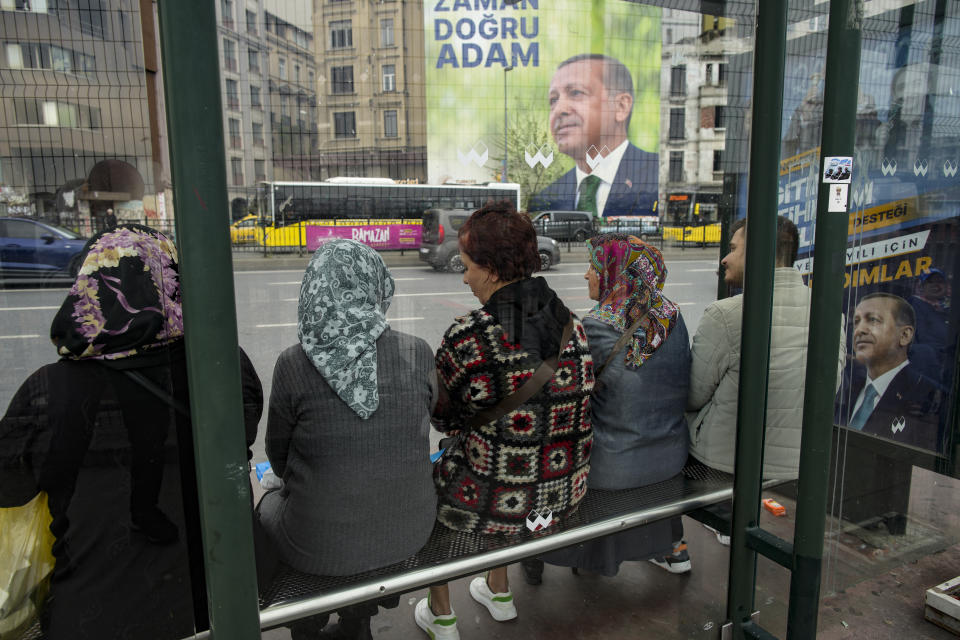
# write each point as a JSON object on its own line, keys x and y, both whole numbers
{"x": 507, "y": 465}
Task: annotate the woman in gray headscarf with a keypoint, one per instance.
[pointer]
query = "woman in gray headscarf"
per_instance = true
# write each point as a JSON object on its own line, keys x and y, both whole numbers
{"x": 348, "y": 427}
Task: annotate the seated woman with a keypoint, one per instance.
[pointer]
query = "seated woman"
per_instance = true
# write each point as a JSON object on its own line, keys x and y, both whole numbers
{"x": 641, "y": 354}
{"x": 105, "y": 432}
{"x": 507, "y": 464}
{"x": 348, "y": 430}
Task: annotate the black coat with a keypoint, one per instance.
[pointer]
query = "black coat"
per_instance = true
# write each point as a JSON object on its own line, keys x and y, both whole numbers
{"x": 117, "y": 464}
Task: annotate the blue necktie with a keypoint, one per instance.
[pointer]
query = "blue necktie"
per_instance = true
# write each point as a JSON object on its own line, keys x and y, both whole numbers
{"x": 866, "y": 408}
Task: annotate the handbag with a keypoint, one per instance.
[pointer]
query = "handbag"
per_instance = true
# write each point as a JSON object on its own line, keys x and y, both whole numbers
{"x": 26, "y": 560}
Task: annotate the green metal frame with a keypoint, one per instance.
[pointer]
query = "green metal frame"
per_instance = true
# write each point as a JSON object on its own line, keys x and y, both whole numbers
{"x": 804, "y": 556}
{"x": 191, "y": 70}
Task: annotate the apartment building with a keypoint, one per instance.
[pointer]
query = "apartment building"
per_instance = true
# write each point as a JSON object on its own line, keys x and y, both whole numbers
{"x": 76, "y": 131}
{"x": 370, "y": 89}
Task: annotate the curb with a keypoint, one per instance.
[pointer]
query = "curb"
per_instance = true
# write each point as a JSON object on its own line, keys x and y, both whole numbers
{"x": 252, "y": 261}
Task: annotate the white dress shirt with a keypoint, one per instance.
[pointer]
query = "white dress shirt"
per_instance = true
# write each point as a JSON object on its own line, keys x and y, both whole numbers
{"x": 606, "y": 170}
{"x": 880, "y": 384}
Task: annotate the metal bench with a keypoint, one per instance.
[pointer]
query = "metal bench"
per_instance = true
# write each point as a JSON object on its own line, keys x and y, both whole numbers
{"x": 449, "y": 555}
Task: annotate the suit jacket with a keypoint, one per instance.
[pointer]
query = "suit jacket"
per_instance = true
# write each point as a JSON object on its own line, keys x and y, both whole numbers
{"x": 633, "y": 192}
{"x": 907, "y": 412}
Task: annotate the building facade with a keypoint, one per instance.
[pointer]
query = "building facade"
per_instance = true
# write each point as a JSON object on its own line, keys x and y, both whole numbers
{"x": 370, "y": 89}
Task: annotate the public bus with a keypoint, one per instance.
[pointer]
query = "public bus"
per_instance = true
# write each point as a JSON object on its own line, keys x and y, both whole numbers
{"x": 380, "y": 212}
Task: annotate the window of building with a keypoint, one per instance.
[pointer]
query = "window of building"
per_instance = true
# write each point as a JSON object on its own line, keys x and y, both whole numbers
{"x": 344, "y": 124}
{"x": 253, "y": 60}
{"x": 390, "y": 123}
{"x": 259, "y": 170}
{"x": 386, "y": 32}
{"x": 341, "y": 34}
{"x": 255, "y": 102}
{"x": 676, "y": 124}
{"x": 296, "y": 73}
{"x": 41, "y": 55}
{"x": 256, "y": 132}
{"x": 236, "y": 170}
{"x": 389, "y": 77}
{"x": 91, "y": 22}
{"x": 722, "y": 74}
{"x": 229, "y": 54}
{"x": 718, "y": 159}
{"x": 226, "y": 11}
{"x": 310, "y": 80}
{"x": 676, "y": 166}
{"x": 251, "y": 22}
{"x": 233, "y": 95}
{"x": 718, "y": 118}
{"x": 678, "y": 80}
{"x": 50, "y": 113}
{"x": 282, "y": 68}
{"x": 342, "y": 79}
{"x": 708, "y": 74}
{"x": 234, "y": 129}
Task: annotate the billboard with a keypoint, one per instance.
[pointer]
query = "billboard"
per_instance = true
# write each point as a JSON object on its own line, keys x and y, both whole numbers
{"x": 489, "y": 70}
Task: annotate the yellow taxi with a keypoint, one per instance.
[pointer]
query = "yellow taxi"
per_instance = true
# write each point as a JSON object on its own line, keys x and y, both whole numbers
{"x": 244, "y": 230}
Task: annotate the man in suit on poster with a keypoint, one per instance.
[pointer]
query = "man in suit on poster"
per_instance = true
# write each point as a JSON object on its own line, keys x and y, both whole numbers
{"x": 894, "y": 401}
{"x": 591, "y": 102}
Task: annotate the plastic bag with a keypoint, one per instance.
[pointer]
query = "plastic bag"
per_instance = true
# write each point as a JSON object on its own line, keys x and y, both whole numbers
{"x": 25, "y": 562}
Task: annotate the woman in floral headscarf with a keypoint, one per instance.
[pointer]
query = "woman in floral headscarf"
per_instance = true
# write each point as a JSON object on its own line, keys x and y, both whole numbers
{"x": 106, "y": 433}
{"x": 641, "y": 356}
{"x": 348, "y": 428}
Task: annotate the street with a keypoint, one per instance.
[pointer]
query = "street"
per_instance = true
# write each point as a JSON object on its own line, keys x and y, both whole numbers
{"x": 425, "y": 303}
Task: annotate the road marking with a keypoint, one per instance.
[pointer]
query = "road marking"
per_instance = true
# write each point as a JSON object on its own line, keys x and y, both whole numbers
{"x": 28, "y": 308}
{"x": 701, "y": 270}
{"x": 301, "y": 282}
{"x": 679, "y": 284}
{"x": 300, "y": 271}
{"x": 293, "y": 324}
{"x": 21, "y": 337}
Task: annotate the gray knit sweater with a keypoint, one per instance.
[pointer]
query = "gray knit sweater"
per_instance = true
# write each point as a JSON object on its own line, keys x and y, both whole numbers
{"x": 358, "y": 494}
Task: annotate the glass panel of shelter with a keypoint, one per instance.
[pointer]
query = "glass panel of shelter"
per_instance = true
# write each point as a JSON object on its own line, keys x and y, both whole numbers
{"x": 687, "y": 68}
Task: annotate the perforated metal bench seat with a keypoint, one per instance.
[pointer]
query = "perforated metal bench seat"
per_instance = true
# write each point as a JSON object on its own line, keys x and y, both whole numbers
{"x": 449, "y": 555}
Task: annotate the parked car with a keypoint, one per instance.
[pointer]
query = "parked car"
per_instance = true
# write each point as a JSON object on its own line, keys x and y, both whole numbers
{"x": 244, "y": 230}
{"x": 564, "y": 225}
{"x": 439, "y": 248}
{"x": 29, "y": 248}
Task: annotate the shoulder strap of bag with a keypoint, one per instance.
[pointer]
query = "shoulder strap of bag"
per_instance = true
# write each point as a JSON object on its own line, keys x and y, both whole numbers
{"x": 148, "y": 384}
{"x": 620, "y": 344}
{"x": 534, "y": 383}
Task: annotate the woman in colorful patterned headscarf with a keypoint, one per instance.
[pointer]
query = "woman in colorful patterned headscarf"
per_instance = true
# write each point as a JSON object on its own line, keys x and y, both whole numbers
{"x": 103, "y": 431}
{"x": 126, "y": 299}
{"x": 348, "y": 428}
{"x": 630, "y": 275}
{"x": 641, "y": 355}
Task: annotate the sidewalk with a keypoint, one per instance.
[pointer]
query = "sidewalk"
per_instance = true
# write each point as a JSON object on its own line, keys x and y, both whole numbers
{"x": 251, "y": 260}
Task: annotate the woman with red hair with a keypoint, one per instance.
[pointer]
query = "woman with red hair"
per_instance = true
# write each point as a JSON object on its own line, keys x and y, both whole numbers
{"x": 515, "y": 380}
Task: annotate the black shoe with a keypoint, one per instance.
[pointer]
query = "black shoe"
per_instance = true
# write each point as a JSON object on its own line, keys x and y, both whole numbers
{"x": 532, "y": 570}
{"x": 348, "y": 629}
{"x": 309, "y": 628}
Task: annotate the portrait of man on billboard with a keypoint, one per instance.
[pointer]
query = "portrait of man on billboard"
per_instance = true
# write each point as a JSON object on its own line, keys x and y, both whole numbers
{"x": 591, "y": 102}
{"x": 894, "y": 400}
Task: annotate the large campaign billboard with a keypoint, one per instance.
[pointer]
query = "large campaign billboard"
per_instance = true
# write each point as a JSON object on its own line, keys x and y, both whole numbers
{"x": 900, "y": 195}
{"x": 497, "y": 89}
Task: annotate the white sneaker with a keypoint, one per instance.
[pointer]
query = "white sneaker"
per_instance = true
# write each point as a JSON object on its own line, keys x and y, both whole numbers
{"x": 722, "y": 539}
{"x": 500, "y": 605}
{"x": 437, "y": 627}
